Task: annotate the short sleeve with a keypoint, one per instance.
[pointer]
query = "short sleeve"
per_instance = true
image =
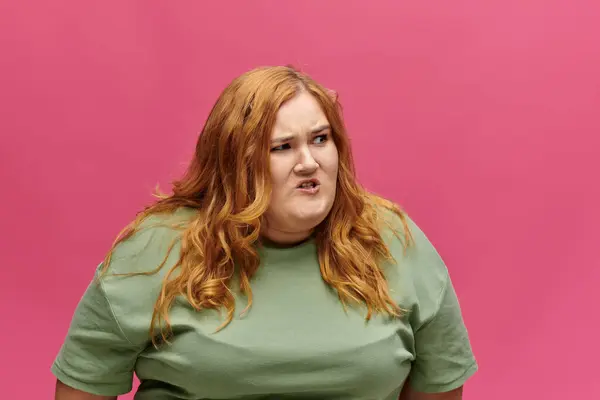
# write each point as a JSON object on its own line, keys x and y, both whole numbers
{"x": 96, "y": 356}
{"x": 444, "y": 358}
{"x": 110, "y": 326}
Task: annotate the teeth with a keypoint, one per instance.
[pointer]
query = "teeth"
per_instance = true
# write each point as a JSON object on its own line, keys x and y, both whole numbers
{"x": 307, "y": 185}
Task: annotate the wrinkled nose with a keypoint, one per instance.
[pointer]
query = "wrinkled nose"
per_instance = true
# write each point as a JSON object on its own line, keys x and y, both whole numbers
{"x": 306, "y": 163}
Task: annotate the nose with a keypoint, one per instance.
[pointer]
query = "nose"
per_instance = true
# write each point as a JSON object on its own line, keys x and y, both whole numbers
{"x": 306, "y": 162}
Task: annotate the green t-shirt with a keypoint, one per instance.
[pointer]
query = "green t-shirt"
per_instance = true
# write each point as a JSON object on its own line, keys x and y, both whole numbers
{"x": 296, "y": 341}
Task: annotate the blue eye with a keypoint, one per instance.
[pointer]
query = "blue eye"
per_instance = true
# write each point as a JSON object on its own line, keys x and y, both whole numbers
{"x": 321, "y": 139}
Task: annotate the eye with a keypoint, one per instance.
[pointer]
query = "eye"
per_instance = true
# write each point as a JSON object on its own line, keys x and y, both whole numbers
{"x": 321, "y": 139}
{"x": 281, "y": 147}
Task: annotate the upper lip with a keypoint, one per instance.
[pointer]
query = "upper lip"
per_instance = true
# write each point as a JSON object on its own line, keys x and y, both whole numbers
{"x": 313, "y": 180}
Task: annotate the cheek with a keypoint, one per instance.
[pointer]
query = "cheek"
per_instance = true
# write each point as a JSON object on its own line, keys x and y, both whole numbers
{"x": 278, "y": 174}
{"x": 330, "y": 162}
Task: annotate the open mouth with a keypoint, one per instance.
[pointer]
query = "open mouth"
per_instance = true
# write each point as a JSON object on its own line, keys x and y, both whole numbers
{"x": 309, "y": 184}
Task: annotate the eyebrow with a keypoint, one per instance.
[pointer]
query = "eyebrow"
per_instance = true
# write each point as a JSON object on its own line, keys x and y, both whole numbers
{"x": 318, "y": 129}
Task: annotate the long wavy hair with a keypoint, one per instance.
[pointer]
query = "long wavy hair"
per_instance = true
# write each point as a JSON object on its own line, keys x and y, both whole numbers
{"x": 228, "y": 183}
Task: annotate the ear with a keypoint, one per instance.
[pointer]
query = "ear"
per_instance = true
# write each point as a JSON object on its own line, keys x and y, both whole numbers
{"x": 333, "y": 95}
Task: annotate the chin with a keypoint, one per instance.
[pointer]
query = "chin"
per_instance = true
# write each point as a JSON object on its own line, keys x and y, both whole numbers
{"x": 309, "y": 220}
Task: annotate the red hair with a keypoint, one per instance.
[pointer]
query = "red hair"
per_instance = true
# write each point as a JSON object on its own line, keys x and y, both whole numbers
{"x": 228, "y": 183}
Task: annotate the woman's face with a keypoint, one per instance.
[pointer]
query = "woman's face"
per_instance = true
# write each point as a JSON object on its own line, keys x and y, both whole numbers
{"x": 304, "y": 169}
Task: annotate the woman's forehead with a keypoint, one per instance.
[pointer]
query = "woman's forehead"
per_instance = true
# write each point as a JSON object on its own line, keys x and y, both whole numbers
{"x": 299, "y": 115}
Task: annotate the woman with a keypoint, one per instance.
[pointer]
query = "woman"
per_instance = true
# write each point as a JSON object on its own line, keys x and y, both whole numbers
{"x": 269, "y": 273}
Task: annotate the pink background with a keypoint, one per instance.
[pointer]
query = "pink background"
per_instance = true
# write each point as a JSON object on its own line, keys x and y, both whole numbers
{"x": 480, "y": 117}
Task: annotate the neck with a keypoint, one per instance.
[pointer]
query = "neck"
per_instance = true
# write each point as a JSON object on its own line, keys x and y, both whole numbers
{"x": 285, "y": 238}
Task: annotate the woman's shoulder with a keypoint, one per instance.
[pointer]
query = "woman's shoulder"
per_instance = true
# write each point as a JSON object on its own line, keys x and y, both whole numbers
{"x": 129, "y": 281}
{"x": 153, "y": 239}
{"x": 417, "y": 269}
{"x": 396, "y": 227}
{"x": 400, "y": 231}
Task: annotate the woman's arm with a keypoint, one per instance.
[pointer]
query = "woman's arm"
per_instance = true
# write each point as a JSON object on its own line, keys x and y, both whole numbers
{"x": 409, "y": 394}
{"x": 64, "y": 392}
